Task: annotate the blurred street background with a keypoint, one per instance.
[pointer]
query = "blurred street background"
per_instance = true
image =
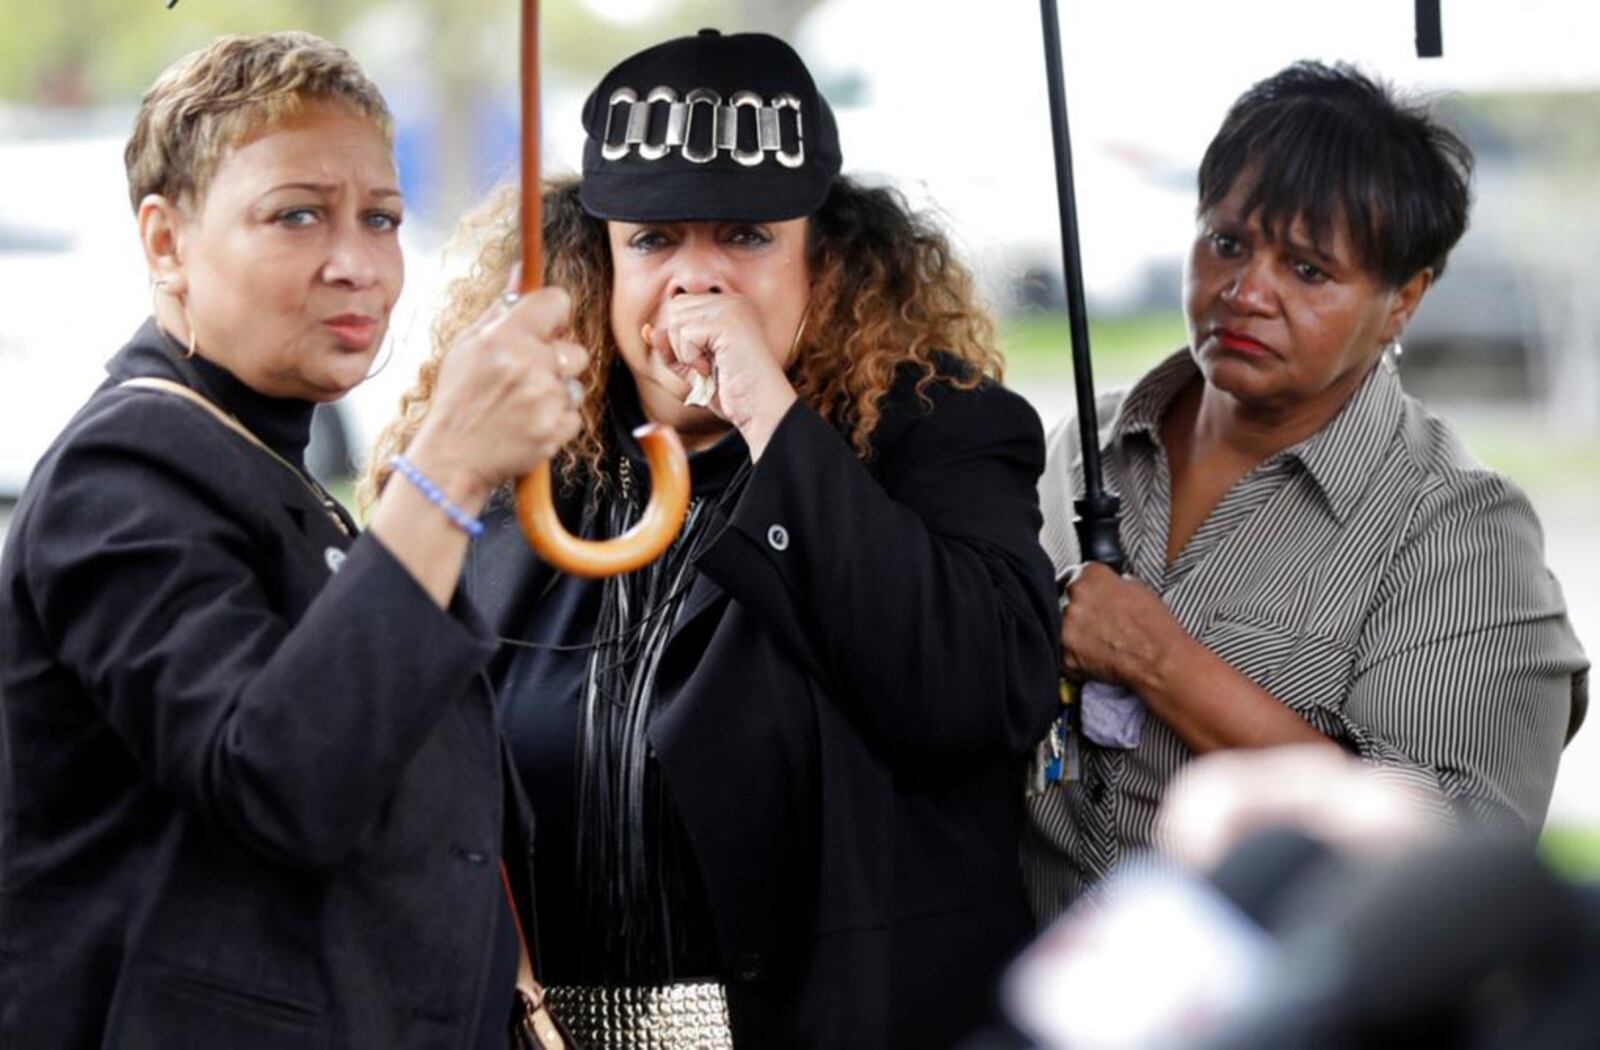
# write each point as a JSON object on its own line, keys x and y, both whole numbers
{"x": 944, "y": 98}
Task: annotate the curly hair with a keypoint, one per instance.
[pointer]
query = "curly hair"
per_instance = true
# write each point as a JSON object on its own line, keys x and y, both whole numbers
{"x": 886, "y": 291}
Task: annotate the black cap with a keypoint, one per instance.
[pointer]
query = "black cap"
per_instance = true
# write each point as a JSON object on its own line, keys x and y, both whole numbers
{"x": 708, "y": 128}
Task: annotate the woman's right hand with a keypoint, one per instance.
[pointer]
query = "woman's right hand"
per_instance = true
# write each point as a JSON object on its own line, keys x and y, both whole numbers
{"x": 501, "y": 404}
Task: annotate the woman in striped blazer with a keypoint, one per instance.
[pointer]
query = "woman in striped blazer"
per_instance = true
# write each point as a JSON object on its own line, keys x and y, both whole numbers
{"x": 1312, "y": 556}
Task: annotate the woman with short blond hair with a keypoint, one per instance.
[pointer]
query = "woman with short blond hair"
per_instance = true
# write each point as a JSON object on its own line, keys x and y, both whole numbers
{"x": 252, "y": 782}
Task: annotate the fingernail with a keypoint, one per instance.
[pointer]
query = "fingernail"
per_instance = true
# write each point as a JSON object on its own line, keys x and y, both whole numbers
{"x": 648, "y": 332}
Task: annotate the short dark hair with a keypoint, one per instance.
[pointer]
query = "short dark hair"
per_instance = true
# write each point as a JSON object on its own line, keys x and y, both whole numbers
{"x": 1327, "y": 143}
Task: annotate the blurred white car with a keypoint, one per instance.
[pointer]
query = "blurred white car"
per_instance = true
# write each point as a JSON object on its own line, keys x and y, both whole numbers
{"x": 75, "y": 289}
{"x": 74, "y": 286}
{"x": 954, "y": 111}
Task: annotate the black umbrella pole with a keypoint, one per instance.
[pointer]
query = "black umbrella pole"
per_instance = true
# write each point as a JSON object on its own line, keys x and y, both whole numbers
{"x": 1099, "y": 512}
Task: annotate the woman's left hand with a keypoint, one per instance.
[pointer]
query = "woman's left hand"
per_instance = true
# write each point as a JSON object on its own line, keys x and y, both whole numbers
{"x": 722, "y": 332}
{"x": 1116, "y": 630}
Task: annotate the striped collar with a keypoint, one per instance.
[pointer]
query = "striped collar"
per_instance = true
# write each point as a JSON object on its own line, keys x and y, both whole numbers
{"x": 1342, "y": 457}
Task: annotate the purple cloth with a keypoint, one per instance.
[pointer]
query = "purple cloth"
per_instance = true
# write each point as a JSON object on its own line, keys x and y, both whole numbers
{"x": 1112, "y": 716}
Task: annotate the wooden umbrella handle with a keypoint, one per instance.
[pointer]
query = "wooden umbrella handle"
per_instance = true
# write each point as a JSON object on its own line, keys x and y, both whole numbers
{"x": 641, "y": 544}
{"x": 669, "y": 466}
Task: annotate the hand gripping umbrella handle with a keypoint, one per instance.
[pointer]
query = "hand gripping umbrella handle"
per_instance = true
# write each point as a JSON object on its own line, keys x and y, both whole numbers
{"x": 669, "y": 467}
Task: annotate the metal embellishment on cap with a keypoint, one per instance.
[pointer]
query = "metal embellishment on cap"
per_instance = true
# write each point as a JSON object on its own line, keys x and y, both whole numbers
{"x": 712, "y": 101}
{"x": 677, "y": 123}
{"x": 724, "y": 135}
{"x": 798, "y": 157}
{"x": 618, "y": 150}
{"x": 655, "y": 151}
{"x": 667, "y": 1017}
{"x": 747, "y": 157}
{"x": 638, "y": 124}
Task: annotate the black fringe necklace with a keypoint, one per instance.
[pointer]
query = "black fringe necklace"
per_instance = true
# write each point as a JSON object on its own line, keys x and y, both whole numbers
{"x": 631, "y": 857}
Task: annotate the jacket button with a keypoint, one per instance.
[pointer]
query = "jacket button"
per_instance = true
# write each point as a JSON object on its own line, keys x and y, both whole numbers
{"x": 778, "y": 538}
{"x": 471, "y": 856}
{"x": 749, "y": 967}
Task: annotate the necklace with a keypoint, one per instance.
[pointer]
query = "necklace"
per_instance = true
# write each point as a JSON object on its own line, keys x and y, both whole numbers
{"x": 630, "y": 853}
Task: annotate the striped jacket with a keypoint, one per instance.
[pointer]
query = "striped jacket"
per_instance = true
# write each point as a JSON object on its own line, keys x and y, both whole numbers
{"x": 1374, "y": 578}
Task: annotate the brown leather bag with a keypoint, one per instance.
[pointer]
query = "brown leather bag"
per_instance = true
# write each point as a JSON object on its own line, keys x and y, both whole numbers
{"x": 533, "y": 1027}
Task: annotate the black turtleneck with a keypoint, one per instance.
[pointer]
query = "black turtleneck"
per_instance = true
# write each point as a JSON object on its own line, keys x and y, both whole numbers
{"x": 284, "y": 424}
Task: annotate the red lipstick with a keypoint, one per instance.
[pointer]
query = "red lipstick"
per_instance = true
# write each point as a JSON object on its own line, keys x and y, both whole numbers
{"x": 1239, "y": 343}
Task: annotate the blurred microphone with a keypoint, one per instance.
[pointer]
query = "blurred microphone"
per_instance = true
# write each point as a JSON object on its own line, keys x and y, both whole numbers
{"x": 1453, "y": 946}
{"x": 1263, "y": 875}
{"x": 1156, "y": 957}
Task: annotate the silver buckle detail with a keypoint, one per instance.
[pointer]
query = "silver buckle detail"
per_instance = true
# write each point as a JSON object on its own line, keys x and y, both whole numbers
{"x": 712, "y": 101}
{"x": 608, "y": 149}
{"x": 660, "y": 93}
{"x": 747, "y": 157}
{"x": 680, "y": 125}
{"x": 798, "y": 156}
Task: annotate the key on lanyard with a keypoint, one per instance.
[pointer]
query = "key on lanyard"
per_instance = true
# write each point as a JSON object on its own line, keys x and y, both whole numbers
{"x": 1056, "y": 757}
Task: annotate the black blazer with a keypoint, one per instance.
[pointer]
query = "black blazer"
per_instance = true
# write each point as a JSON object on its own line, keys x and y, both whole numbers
{"x": 252, "y": 777}
{"x": 866, "y": 654}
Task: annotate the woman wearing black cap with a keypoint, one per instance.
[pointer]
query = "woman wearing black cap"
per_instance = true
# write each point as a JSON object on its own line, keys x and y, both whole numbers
{"x": 775, "y": 771}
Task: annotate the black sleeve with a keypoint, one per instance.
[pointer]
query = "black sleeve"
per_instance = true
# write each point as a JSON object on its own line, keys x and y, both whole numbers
{"x": 921, "y": 592}
{"x": 288, "y": 736}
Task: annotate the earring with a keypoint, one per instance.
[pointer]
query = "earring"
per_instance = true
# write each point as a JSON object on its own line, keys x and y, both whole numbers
{"x": 193, "y": 345}
{"x": 800, "y": 331}
{"x": 388, "y": 354}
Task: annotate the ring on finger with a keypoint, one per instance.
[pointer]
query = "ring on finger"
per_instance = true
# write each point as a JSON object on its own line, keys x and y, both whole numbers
{"x": 510, "y": 298}
{"x": 574, "y": 392}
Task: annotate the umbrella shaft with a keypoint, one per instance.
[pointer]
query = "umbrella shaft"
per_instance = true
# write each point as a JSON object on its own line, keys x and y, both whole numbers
{"x": 532, "y": 190}
{"x": 1072, "y": 262}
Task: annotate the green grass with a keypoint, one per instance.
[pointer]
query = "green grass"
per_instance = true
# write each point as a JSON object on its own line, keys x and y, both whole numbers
{"x": 1572, "y": 851}
{"x": 1545, "y": 464}
{"x": 1521, "y": 446}
{"x": 344, "y": 491}
{"x": 1122, "y": 348}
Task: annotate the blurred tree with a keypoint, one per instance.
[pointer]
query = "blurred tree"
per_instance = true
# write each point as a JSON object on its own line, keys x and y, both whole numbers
{"x": 463, "y": 57}
{"x": 93, "y": 51}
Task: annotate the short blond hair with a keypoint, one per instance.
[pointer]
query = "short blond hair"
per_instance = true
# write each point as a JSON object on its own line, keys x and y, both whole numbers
{"x": 214, "y": 99}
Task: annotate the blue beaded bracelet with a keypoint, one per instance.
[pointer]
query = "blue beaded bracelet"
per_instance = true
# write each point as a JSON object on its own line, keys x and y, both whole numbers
{"x": 458, "y": 517}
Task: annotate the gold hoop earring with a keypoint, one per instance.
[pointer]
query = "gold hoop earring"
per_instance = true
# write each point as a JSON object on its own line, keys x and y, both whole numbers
{"x": 794, "y": 344}
{"x": 193, "y": 345}
{"x": 388, "y": 354}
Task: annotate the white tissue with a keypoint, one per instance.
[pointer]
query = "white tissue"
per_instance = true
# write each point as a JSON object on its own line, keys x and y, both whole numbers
{"x": 702, "y": 388}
